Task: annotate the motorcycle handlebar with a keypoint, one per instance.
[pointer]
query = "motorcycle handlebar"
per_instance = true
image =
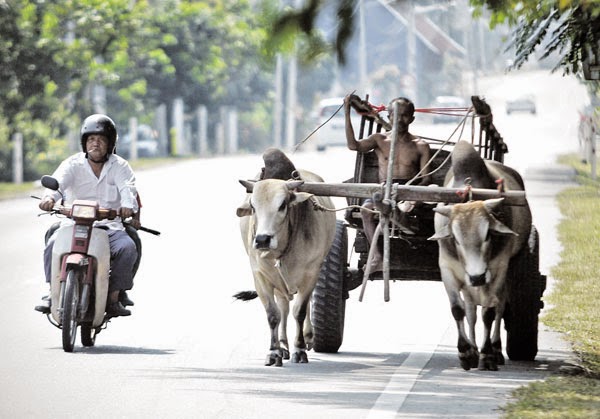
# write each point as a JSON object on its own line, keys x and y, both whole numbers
{"x": 101, "y": 214}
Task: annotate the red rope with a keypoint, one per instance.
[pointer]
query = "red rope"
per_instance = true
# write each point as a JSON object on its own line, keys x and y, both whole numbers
{"x": 443, "y": 111}
{"x": 379, "y": 108}
{"x": 500, "y": 184}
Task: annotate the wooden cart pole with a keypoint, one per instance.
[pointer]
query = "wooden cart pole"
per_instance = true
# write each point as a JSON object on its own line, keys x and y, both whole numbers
{"x": 387, "y": 201}
{"x": 431, "y": 193}
{"x": 368, "y": 265}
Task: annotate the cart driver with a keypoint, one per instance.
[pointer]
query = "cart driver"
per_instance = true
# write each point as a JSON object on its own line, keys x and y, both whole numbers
{"x": 412, "y": 154}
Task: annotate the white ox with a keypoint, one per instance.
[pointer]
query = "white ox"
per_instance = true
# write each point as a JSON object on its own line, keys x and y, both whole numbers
{"x": 286, "y": 240}
{"x": 477, "y": 239}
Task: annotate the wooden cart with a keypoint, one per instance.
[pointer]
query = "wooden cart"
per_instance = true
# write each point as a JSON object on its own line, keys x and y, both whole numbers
{"x": 413, "y": 257}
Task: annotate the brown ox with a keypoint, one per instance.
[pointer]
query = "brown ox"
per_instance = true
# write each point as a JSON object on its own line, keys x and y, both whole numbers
{"x": 286, "y": 240}
{"x": 476, "y": 241}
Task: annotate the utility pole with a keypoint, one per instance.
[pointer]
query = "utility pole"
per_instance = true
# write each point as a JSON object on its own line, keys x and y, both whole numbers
{"x": 290, "y": 111}
{"x": 278, "y": 105}
{"x": 411, "y": 80}
{"x": 291, "y": 103}
{"x": 362, "y": 49}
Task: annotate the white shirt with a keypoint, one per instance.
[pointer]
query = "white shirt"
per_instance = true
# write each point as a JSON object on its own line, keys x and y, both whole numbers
{"x": 115, "y": 188}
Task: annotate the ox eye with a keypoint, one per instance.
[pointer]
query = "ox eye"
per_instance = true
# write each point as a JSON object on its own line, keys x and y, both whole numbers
{"x": 282, "y": 207}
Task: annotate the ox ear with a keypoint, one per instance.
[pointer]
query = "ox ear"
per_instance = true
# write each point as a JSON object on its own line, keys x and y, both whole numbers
{"x": 444, "y": 233}
{"x": 244, "y": 209}
{"x": 444, "y": 210}
{"x": 500, "y": 227}
{"x": 495, "y": 225}
{"x": 298, "y": 197}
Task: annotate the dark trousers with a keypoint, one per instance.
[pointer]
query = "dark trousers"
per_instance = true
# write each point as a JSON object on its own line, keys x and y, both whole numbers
{"x": 125, "y": 254}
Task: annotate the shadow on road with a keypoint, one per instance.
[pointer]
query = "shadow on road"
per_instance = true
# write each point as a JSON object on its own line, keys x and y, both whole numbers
{"x": 123, "y": 350}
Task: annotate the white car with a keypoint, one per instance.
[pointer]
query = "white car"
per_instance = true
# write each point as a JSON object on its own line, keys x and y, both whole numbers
{"x": 521, "y": 104}
{"x": 333, "y": 131}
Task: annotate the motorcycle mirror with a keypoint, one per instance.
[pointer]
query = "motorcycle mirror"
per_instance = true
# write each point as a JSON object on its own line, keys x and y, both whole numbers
{"x": 49, "y": 182}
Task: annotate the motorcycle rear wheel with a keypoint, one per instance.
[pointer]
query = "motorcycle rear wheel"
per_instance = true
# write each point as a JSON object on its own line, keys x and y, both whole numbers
{"x": 69, "y": 317}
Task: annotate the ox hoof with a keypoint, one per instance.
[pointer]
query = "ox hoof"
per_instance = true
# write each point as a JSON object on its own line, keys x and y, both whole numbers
{"x": 499, "y": 358}
{"x": 469, "y": 359}
{"x": 488, "y": 363}
{"x": 300, "y": 358}
{"x": 286, "y": 354}
{"x": 274, "y": 359}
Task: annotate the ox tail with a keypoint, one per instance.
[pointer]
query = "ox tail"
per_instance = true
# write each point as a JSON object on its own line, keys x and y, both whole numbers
{"x": 245, "y": 295}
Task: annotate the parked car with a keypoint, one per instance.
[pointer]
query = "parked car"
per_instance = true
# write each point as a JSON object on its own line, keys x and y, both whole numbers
{"x": 521, "y": 104}
{"x": 147, "y": 143}
{"x": 448, "y": 102}
{"x": 333, "y": 132}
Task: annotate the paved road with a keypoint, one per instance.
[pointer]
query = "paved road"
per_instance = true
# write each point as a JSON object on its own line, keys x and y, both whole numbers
{"x": 190, "y": 351}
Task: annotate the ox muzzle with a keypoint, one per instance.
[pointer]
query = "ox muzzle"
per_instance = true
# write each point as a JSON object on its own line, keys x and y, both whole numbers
{"x": 477, "y": 280}
{"x": 263, "y": 242}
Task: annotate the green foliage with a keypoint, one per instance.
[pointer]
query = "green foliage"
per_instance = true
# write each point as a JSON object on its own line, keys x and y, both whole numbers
{"x": 557, "y": 397}
{"x": 254, "y": 133}
{"x": 54, "y": 54}
{"x": 566, "y": 27}
{"x": 574, "y": 309}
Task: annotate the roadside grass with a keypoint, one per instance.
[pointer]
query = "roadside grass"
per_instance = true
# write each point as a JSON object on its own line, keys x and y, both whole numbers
{"x": 12, "y": 190}
{"x": 574, "y": 308}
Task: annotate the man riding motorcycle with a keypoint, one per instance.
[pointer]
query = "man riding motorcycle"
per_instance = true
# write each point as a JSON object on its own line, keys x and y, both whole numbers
{"x": 98, "y": 174}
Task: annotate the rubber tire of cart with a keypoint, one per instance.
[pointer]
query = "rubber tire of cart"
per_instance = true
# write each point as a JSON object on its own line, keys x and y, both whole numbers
{"x": 328, "y": 306}
{"x": 525, "y": 289}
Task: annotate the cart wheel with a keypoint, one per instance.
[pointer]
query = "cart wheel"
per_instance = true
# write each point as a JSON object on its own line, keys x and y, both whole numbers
{"x": 525, "y": 288}
{"x": 328, "y": 298}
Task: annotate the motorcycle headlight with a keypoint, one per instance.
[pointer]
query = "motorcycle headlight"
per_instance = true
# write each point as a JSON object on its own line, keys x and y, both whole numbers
{"x": 83, "y": 211}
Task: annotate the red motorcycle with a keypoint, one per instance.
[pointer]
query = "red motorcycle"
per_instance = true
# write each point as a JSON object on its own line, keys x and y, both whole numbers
{"x": 80, "y": 270}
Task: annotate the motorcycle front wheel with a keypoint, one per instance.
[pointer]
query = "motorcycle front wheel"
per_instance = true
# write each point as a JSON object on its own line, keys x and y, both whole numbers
{"x": 69, "y": 316}
{"x": 88, "y": 335}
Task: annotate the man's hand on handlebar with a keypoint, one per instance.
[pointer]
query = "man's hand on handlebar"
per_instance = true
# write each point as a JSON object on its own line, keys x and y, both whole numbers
{"x": 125, "y": 212}
{"x": 47, "y": 203}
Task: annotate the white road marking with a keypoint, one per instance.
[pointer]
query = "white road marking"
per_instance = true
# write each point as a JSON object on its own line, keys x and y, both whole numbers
{"x": 398, "y": 388}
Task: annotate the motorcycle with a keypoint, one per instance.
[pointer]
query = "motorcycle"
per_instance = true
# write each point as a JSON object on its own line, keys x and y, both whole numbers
{"x": 80, "y": 270}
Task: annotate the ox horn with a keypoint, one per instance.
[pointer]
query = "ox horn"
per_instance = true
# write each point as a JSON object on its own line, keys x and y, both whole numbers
{"x": 248, "y": 184}
{"x": 294, "y": 184}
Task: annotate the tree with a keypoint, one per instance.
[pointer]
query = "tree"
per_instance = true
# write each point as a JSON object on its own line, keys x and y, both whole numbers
{"x": 54, "y": 54}
{"x": 570, "y": 27}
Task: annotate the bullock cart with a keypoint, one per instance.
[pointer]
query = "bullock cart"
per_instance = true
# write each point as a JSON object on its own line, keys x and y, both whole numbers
{"x": 414, "y": 257}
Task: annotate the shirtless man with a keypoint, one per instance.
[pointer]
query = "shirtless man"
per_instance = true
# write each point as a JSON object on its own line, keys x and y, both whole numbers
{"x": 411, "y": 155}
